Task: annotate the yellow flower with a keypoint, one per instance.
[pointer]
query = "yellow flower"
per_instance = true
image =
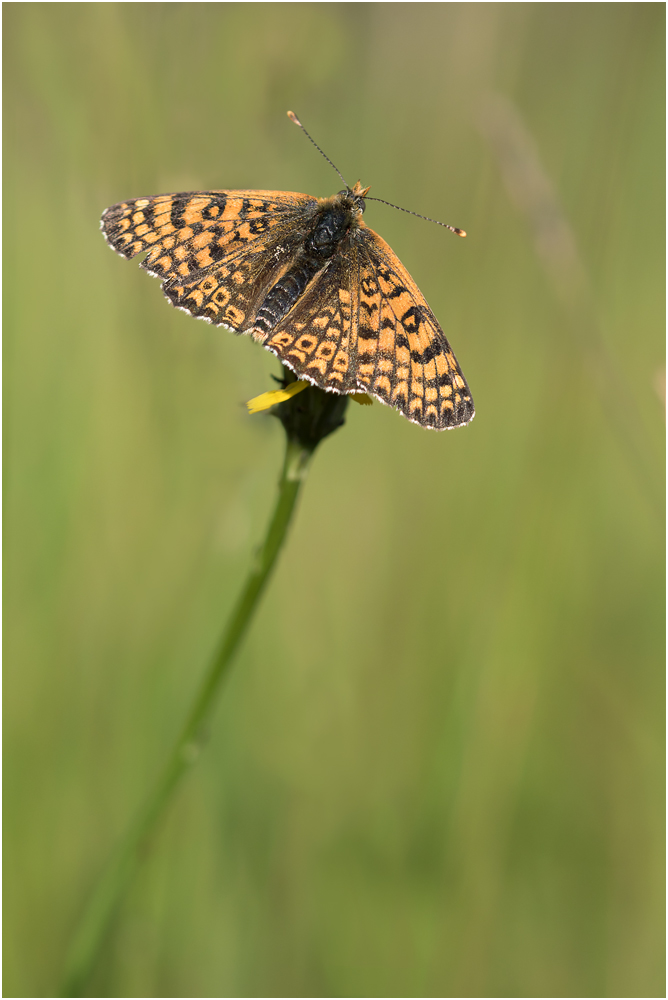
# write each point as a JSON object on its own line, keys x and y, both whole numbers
{"x": 268, "y": 399}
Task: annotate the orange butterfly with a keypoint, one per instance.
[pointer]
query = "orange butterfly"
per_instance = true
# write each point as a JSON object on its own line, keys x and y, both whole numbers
{"x": 310, "y": 281}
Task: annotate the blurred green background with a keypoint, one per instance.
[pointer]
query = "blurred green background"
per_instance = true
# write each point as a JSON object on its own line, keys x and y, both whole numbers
{"x": 437, "y": 767}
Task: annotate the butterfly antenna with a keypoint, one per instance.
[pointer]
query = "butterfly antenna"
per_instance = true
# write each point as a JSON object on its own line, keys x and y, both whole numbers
{"x": 293, "y": 118}
{"x": 453, "y": 229}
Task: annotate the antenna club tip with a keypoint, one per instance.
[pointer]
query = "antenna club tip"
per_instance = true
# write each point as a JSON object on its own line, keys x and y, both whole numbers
{"x": 293, "y": 118}
{"x": 460, "y": 232}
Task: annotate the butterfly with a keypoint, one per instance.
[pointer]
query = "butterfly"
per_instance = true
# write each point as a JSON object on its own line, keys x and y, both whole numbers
{"x": 307, "y": 279}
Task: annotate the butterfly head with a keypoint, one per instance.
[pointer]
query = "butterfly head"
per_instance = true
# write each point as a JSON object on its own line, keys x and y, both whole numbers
{"x": 356, "y": 195}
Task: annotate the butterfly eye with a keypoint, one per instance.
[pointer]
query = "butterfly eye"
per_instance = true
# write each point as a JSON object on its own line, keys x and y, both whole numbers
{"x": 361, "y": 204}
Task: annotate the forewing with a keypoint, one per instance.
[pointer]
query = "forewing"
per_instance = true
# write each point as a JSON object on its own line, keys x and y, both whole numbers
{"x": 403, "y": 357}
{"x": 211, "y": 248}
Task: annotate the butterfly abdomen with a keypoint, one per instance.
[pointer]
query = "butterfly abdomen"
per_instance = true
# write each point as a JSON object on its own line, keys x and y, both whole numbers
{"x": 331, "y": 226}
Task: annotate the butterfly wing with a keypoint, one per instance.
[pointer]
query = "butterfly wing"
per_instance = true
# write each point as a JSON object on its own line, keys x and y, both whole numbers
{"x": 316, "y": 339}
{"x": 364, "y": 326}
{"x": 215, "y": 250}
{"x": 403, "y": 357}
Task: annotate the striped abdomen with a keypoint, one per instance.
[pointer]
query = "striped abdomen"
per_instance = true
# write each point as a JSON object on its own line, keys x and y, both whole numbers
{"x": 332, "y": 225}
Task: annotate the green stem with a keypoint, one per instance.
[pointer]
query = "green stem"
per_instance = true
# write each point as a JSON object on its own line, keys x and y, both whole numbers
{"x": 96, "y": 920}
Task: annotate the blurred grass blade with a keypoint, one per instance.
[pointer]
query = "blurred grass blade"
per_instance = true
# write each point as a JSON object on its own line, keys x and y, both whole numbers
{"x": 532, "y": 192}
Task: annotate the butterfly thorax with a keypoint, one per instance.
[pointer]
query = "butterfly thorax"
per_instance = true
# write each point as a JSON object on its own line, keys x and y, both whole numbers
{"x": 333, "y": 221}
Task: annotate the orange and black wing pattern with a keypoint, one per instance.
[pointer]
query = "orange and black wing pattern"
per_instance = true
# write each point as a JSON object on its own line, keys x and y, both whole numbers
{"x": 310, "y": 281}
{"x": 215, "y": 251}
{"x": 317, "y": 337}
{"x": 403, "y": 357}
{"x": 364, "y": 326}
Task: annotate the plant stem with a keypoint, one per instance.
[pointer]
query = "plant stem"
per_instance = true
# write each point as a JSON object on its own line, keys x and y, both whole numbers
{"x": 96, "y": 920}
